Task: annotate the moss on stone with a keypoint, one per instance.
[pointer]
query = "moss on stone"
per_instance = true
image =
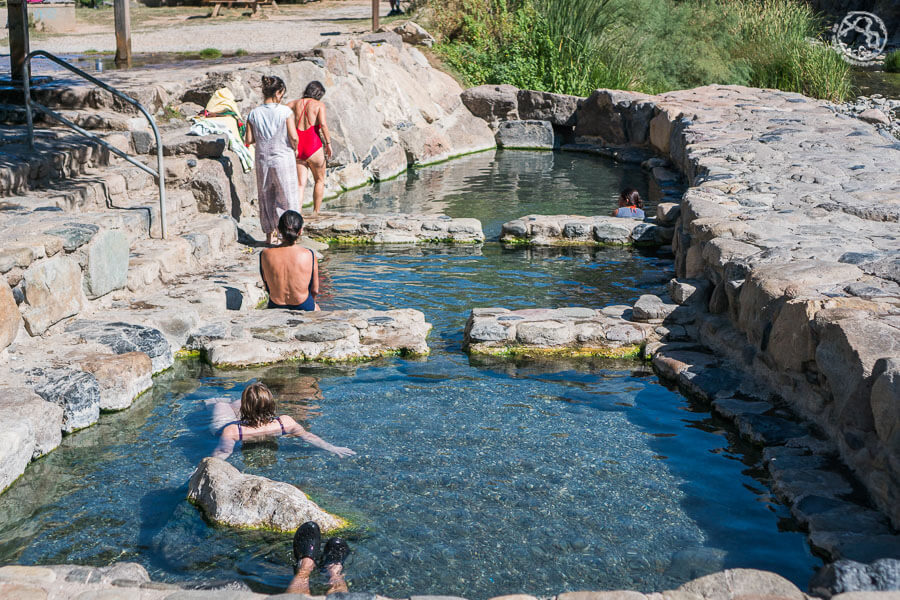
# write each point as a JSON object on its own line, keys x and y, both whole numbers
{"x": 631, "y": 351}
{"x": 185, "y": 353}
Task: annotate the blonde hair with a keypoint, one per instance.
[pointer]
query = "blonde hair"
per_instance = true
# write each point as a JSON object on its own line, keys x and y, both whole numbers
{"x": 257, "y": 405}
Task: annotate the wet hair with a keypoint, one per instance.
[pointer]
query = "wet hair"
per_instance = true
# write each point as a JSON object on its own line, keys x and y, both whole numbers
{"x": 271, "y": 85}
{"x": 289, "y": 226}
{"x": 257, "y": 405}
{"x": 631, "y": 197}
{"x": 314, "y": 90}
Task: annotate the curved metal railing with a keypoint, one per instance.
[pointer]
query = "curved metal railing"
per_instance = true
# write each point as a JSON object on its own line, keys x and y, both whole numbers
{"x": 31, "y": 105}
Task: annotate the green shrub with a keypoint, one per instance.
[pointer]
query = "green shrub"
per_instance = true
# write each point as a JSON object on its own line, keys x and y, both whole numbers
{"x": 241, "y": 52}
{"x": 576, "y": 46}
{"x": 210, "y": 53}
{"x": 892, "y": 62}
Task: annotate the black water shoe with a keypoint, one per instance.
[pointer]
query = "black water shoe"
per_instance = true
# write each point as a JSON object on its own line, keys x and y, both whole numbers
{"x": 336, "y": 552}
{"x": 307, "y": 541}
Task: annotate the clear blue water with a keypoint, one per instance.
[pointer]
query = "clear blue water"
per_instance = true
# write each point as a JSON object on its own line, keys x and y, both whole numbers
{"x": 473, "y": 477}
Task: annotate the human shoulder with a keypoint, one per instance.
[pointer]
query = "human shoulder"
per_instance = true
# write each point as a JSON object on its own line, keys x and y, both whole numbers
{"x": 230, "y": 432}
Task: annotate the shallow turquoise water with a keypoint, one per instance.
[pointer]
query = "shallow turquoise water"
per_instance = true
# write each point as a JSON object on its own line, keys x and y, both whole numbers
{"x": 473, "y": 477}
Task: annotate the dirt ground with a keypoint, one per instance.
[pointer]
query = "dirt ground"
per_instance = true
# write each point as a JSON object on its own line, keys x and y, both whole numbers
{"x": 292, "y": 27}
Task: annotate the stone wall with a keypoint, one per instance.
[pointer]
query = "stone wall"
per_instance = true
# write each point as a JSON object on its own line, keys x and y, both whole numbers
{"x": 792, "y": 220}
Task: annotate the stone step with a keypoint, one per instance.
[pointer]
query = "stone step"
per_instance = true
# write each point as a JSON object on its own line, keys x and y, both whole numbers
{"x": 57, "y": 156}
{"x": 14, "y": 115}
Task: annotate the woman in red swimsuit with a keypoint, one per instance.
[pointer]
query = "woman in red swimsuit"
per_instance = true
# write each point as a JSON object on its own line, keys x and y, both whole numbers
{"x": 309, "y": 113}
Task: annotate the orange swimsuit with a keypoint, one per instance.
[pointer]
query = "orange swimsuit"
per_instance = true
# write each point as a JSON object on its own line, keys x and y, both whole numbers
{"x": 310, "y": 141}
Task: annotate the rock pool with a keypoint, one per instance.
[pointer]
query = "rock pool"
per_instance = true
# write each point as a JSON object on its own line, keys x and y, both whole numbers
{"x": 473, "y": 477}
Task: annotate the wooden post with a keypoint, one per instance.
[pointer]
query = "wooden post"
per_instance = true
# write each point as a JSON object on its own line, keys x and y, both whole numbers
{"x": 375, "y": 15}
{"x": 17, "y": 17}
{"x": 122, "y": 10}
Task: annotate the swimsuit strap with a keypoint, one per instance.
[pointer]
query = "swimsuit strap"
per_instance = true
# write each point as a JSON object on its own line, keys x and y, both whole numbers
{"x": 282, "y": 425}
{"x": 240, "y": 432}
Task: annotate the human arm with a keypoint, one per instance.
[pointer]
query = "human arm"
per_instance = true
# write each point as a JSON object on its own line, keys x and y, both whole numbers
{"x": 262, "y": 275}
{"x": 292, "y": 131}
{"x": 294, "y": 429}
{"x": 248, "y": 138}
{"x": 227, "y": 441}
{"x": 323, "y": 130}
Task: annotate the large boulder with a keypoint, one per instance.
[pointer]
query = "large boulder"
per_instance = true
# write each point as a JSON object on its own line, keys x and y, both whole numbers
{"x": 16, "y": 450}
{"x": 53, "y": 291}
{"x": 106, "y": 264}
{"x": 492, "y": 103}
{"x": 614, "y": 118}
{"x": 18, "y": 403}
{"x": 230, "y": 497}
{"x": 126, "y": 337}
{"x": 122, "y": 377}
{"x": 526, "y": 134}
{"x": 77, "y": 392}
{"x": 736, "y": 583}
{"x": 558, "y": 109}
{"x": 10, "y": 317}
{"x": 413, "y": 33}
{"x": 850, "y": 576}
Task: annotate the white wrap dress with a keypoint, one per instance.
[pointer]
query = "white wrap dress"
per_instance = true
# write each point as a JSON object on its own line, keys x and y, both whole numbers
{"x": 276, "y": 165}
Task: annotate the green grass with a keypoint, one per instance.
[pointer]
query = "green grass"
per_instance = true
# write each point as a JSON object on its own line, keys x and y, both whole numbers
{"x": 210, "y": 53}
{"x": 576, "y": 46}
{"x": 241, "y": 52}
{"x": 892, "y": 62}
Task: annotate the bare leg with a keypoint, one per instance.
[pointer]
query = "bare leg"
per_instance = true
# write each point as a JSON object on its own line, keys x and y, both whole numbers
{"x": 336, "y": 583}
{"x": 302, "y": 177}
{"x": 316, "y": 164}
{"x": 300, "y": 583}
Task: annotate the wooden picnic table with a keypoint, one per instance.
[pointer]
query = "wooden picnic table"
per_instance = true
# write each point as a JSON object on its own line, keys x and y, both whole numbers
{"x": 253, "y": 4}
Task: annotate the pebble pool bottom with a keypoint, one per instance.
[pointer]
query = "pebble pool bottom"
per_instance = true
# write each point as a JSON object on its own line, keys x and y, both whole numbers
{"x": 474, "y": 477}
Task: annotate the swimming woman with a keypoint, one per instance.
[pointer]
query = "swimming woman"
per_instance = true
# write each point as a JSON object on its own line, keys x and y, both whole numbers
{"x": 630, "y": 205}
{"x": 258, "y": 420}
{"x": 312, "y": 131}
{"x": 290, "y": 272}
{"x": 273, "y": 129}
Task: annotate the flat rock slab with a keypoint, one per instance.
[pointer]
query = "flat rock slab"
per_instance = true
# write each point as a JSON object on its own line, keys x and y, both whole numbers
{"x": 547, "y": 331}
{"x": 232, "y": 498}
{"x": 392, "y": 229}
{"x": 278, "y": 335}
{"x": 562, "y": 230}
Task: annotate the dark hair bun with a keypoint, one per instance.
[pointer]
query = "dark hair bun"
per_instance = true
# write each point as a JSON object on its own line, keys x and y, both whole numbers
{"x": 289, "y": 226}
{"x": 271, "y": 85}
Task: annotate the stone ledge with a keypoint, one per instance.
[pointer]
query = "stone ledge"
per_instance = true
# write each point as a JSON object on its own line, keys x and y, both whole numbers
{"x": 563, "y": 230}
{"x": 554, "y": 332}
{"x": 355, "y": 228}
{"x": 279, "y": 335}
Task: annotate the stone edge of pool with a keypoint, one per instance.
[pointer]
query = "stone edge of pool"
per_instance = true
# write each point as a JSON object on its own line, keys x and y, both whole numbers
{"x": 127, "y": 581}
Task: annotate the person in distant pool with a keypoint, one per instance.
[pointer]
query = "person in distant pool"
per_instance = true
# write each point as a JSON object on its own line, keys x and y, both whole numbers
{"x": 290, "y": 272}
{"x": 307, "y": 540}
{"x": 258, "y": 420}
{"x": 630, "y": 205}
{"x": 314, "y": 140}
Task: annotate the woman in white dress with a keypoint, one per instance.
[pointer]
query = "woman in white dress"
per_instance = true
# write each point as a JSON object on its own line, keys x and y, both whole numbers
{"x": 274, "y": 131}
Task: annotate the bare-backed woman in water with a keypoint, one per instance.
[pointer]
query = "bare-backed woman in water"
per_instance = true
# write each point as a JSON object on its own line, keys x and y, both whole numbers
{"x": 290, "y": 272}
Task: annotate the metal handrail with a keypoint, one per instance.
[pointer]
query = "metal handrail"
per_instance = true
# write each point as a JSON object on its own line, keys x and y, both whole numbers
{"x": 30, "y": 105}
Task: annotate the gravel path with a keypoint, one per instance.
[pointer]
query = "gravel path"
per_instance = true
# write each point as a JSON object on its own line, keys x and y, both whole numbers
{"x": 292, "y": 29}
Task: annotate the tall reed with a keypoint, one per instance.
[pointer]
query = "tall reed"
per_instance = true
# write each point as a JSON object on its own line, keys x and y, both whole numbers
{"x": 576, "y": 46}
